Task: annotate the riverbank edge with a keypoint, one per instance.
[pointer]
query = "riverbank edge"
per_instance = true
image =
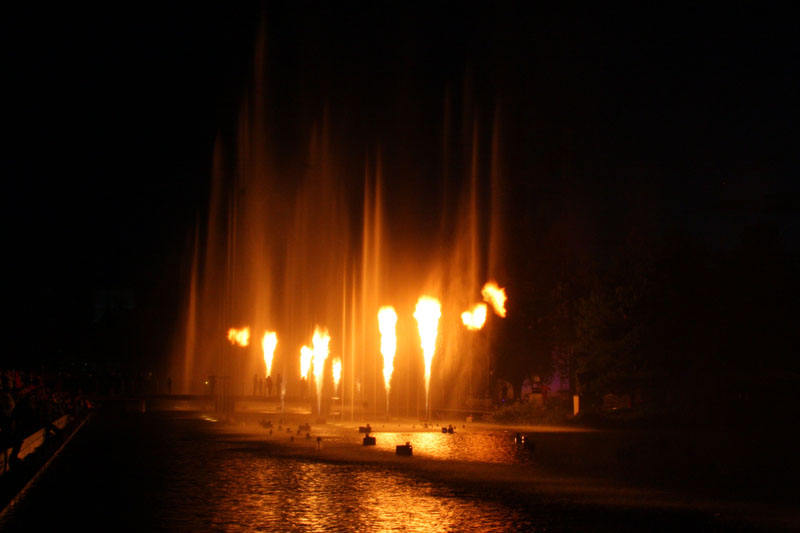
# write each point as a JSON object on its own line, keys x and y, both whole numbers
{"x": 15, "y": 483}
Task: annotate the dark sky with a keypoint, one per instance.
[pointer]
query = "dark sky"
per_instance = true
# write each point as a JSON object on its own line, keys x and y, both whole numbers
{"x": 673, "y": 116}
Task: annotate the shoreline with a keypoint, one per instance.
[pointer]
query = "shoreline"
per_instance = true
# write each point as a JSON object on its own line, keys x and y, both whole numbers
{"x": 579, "y": 484}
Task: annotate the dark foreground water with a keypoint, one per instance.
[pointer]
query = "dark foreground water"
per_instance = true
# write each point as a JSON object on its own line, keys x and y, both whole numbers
{"x": 180, "y": 471}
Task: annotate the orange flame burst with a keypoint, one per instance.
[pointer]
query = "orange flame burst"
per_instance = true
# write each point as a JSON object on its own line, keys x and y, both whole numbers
{"x": 240, "y": 337}
{"x": 474, "y": 319}
{"x": 320, "y": 342}
{"x": 387, "y": 320}
{"x": 268, "y": 343}
{"x": 306, "y": 354}
{"x": 496, "y": 296}
{"x": 337, "y": 372}
{"x": 427, "y": 314}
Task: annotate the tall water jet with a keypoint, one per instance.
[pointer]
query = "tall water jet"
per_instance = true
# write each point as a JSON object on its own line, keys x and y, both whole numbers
{"x": 268, "y": 344}
{"x": 253, "y": 217}
{"x": 461, "y": 262}
{"x": 320, "y": 341}
{"x": 352, "y": 374}
{"x": 496, "y": 266}
{"x": 387, "y": 320}
{"x": 427, "y": 314}
{"x": 316, "y": 245}
{"x": 496, "y": 208}
{"x": 190, "y": 346}
{"x": 208, "y": 346}
{"x": 290, "y": 239}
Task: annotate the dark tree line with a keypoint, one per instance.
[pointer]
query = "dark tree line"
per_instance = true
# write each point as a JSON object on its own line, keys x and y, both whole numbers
{"x": 672, "y": 323}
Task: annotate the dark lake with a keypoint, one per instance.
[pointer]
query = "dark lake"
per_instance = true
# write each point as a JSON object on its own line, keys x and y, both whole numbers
{"x": 181, "y": 470}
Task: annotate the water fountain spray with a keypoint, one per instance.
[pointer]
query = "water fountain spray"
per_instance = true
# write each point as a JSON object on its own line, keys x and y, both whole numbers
{"x": 387, "y": 320}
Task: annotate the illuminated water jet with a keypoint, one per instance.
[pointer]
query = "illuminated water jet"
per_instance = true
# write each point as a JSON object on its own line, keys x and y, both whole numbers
{"x": 286, "y": 243}
{"x": 268, "y": 344}
{"x": 387, "y": 320}
{"x": 427, "y": 314}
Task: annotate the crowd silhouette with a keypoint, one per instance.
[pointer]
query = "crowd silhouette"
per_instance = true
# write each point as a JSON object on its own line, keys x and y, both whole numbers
{"x": 31, "y": 401}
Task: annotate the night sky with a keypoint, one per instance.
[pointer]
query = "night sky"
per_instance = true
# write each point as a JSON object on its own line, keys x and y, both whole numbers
{"x": 660, "y": 118}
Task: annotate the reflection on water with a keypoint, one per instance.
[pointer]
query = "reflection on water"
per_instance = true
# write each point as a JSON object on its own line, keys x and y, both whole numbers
{"x": 177, "y": 472}
{"x": 248, "y": 488}
{"x": 265, "y": 493}
{"x": 496, "y": 446}
{"x": 460, "y": 446}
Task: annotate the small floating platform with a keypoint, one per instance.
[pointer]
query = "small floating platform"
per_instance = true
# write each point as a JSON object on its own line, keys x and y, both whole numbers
{"x": 405, "y": 449}
{"x": 524, "y": 441}
{"x": 369, "y": 441}
{"x": 365, "y": 429}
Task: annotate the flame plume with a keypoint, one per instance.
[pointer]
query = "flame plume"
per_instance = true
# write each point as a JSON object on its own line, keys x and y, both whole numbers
{"x": 306, "y": 354}
{"x": 336, "y": 370}
{"x": 474, "y": 319}
{"x": 268, "y": 343}
{"x": 240, "y": 337}
{"x": 496, "y": 296}
{"x": 387, "y": 320}
{"x": 320, "y": 342}
{"x": 427, "y": 313}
